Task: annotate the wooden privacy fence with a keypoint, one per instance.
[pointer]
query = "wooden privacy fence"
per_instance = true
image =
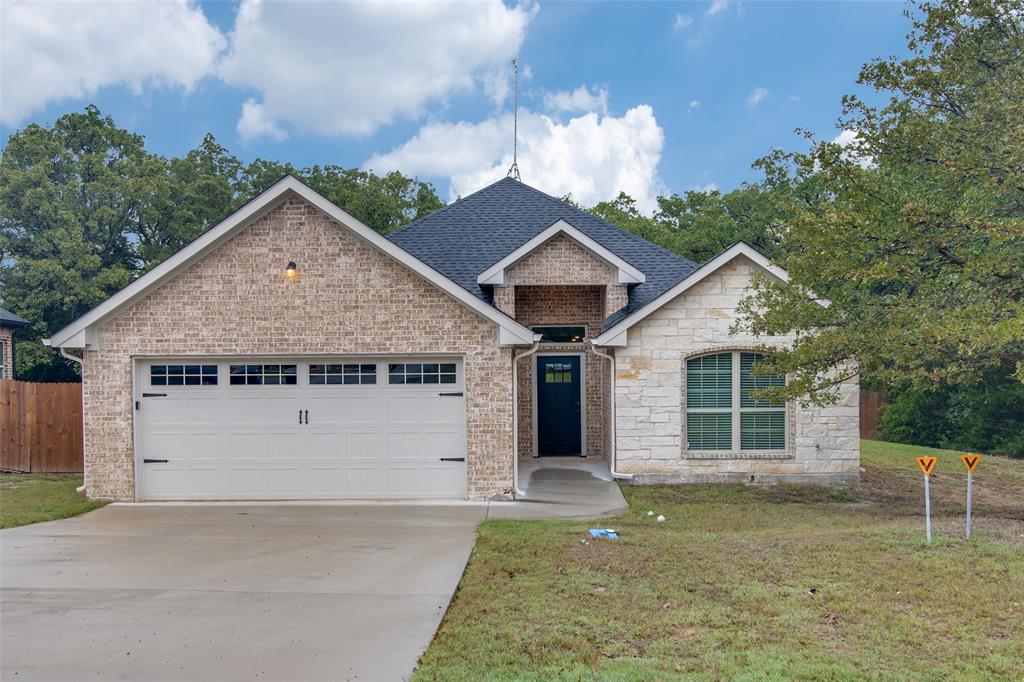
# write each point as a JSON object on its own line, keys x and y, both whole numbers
{"x": 40, "y": 427}
{"x": 872, "y": 404}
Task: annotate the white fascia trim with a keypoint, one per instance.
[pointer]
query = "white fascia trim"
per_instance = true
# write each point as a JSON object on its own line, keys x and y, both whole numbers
{"x": 627, "y": 274}
{"x": 616, "y": 336}
{"x": 80, "y": 333}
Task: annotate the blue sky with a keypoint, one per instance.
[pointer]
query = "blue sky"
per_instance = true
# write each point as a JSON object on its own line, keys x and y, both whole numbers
{"x": 647, "y": 97}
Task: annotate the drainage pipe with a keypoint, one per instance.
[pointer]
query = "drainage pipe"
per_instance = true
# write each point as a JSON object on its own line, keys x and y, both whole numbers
{"x": 613, "y": 456}
{"x": 74, "y": 358}
{"x": 516, "y": 492}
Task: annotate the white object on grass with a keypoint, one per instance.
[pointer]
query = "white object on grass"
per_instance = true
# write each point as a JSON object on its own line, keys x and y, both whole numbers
{"x": 650, "y": 513}
{"x": 660, "y": 518}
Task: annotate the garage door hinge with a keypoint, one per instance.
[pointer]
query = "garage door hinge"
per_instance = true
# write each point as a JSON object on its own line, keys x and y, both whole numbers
{"x": 457, "y": 394}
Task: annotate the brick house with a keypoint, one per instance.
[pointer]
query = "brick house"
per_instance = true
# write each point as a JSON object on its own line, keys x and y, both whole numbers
{"x": 9, "y": 323}
{"x": 291, "y": 352}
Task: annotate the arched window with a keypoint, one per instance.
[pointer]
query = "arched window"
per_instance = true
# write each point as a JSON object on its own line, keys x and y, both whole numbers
{"x": 720, "y": 412}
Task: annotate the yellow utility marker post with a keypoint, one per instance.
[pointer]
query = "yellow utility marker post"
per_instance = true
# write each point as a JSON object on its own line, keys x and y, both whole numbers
{"x": 970, "y": 461}
{"x": 927, "y": 465}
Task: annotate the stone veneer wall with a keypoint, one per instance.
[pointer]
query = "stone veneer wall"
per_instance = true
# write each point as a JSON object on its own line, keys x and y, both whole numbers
{"x": 823, "y": 443}
{"x": 7, "y": 339}
{"x": 542, "y": 305}
{"x": 349, "y": 298}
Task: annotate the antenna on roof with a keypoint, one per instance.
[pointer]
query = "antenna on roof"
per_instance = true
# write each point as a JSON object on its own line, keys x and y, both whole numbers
{"x": 513, "y": 171}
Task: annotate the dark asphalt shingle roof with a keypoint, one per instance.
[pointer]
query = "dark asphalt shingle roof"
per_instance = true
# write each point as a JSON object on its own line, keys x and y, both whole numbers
{"x": 9, "y": 319}
{"x": 466, "y": 237}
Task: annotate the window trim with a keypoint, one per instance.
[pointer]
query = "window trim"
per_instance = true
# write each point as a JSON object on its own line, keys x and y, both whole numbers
{"x": 736, "y": 410}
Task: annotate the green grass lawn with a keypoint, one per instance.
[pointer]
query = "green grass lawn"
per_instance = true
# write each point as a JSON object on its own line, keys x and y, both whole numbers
{"x": 754, "y": 583}
{"x": 31, "y": 498}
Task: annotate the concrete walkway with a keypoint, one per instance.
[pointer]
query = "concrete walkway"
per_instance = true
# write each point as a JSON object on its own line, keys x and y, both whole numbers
{"x": 237, "y": 591}
{"x": 562, "y": 488}
{"x": 234, "y": 592}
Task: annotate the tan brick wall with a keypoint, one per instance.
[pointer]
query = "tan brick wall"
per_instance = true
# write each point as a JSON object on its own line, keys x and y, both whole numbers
{"x": 505, "y": 300}
{"x": 616, "y": 297}
{"x": 560, "y": 260}
{"x": 578, "y": 305}
{"x": 7, "y": 339}
{"x": 823, "y": 442}
{"x": 349, "y": 298}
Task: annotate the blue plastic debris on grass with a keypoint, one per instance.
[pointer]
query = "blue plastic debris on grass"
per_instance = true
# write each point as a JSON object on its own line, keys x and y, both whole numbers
{"x": 604, "y": 533}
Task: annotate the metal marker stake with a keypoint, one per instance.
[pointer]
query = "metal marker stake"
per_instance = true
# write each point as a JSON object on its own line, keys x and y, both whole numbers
{"x": 927, "y": 511}
{"x": 970, "y": 481}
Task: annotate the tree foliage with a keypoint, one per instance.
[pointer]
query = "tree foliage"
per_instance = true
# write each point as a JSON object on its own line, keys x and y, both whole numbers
{"x": 987, "y": 418}
{"x": 699, "y": 225}
{"x": 85, "y": 209}
{"x": 910, "y": 264}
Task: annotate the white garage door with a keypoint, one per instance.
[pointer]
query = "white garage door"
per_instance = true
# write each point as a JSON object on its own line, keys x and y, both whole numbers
{"x": 337, "y": 428}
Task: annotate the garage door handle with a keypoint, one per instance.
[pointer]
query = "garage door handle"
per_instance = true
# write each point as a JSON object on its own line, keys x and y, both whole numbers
{"x": 457, "y": 394}
{"x": 453, "y": 459}
{"x": 154, "y": 461}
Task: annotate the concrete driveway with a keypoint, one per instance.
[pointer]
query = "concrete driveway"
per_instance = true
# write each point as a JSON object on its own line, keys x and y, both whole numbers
{"x": 228, "y": 592}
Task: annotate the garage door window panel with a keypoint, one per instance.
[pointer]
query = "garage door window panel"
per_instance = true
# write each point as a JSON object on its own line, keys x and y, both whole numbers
{"x": 264, "y": 375}
{"x": 183, "y": 375}
{"x": 426, "y": 373}
{"x": 343, "y": 374}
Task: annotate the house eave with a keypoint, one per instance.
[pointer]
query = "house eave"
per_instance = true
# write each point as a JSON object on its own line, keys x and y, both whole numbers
{"x": 616, "y": 336}
{"x": 83, "y": 332}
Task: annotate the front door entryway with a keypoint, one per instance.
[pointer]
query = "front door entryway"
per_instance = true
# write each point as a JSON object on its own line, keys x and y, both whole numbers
{"x": 559, "y": 405}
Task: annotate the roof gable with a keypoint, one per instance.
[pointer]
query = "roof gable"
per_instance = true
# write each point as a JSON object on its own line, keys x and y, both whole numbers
{"x": 615, "y": 333}
{"x": 82, "y": 333}
{"x": 625, "y": 273}
{"x": 469, "y": 236}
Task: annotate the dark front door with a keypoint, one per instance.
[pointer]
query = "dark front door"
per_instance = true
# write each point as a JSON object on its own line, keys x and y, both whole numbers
{"x": 558, "y": 405}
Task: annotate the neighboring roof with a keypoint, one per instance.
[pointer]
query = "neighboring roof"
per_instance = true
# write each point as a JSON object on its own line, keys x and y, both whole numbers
{"x": 471, "y": 235}
{"x": 81, "y": 332}
{"x": 617, "y": 325}
{"x": 11, "y": 321}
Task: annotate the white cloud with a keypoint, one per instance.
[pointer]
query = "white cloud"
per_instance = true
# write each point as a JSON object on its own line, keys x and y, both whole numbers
{"x": 348, "y": 68}
{"x": 706, "y": 189}
{"x": 716, "y": 7}
{"x": 254, "y": 123}
{"x": 694, "y": 103}
{"x": 59, "y": 50}
{"x": 756, "y": 96}
{"x": 681, "y": 22}
{"x": 580, "y": 99}
{"x": 851, "y": 141}
{"x": 591, "y": 157}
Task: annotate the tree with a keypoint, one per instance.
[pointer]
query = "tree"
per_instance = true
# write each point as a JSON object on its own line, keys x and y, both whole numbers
{"x": 68, "y": 195}
{"x": 908, "y": 267}
{"x": 700, "y": 225}
{"x": 384, "y": 202}
{"x": 85, "y": 209}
